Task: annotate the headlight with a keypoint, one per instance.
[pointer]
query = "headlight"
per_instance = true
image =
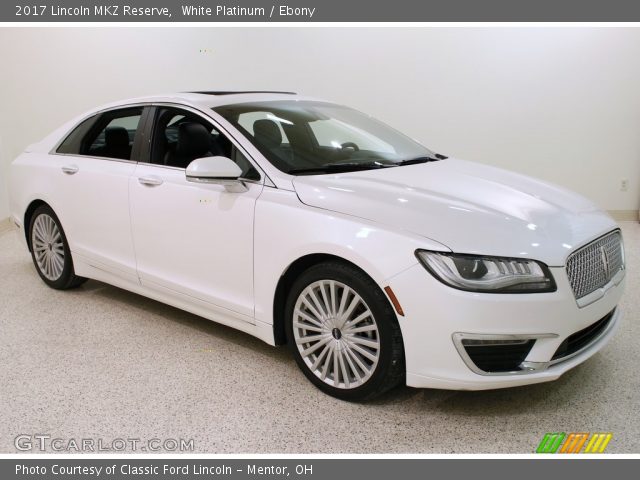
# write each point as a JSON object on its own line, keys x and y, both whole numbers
{"x": 477, "y": 273}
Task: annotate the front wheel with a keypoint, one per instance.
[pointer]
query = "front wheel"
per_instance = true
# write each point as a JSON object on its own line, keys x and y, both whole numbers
{"x": 344, "y": 333}
{"x": 50, "y": 250}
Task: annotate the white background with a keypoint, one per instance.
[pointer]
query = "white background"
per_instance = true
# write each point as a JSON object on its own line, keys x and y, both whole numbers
{"x": 561, "y": 104}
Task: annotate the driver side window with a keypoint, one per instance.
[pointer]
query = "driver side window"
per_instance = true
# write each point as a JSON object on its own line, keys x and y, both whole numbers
{"x": 179, "y": 137}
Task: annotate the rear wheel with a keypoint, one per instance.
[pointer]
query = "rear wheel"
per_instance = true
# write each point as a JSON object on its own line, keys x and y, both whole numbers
{"x": 50, "y": 250}
{"x": 344, "y": 333}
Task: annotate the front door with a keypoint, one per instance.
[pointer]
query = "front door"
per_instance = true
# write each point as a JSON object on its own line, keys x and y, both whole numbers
{"x": 193, "y": 239}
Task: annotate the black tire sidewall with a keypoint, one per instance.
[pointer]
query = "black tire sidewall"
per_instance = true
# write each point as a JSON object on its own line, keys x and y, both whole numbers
{"x": 391, "y": 350}
{"x": 68, "y": 275}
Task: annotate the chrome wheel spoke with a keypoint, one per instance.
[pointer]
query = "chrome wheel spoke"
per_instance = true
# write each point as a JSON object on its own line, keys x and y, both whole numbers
{"x": 343, "y": 369}
{"x": 333, "y": 297}
{"x": 306, "y": 326}
{"x": 336, "y": 334}
{"x": 364, "y": 353}
{"x": 310, "y": 339}
{"x": 363, "y": 341}
{"x": 312, "y": 309}
{"x": 317, "y": 304}
{"x": 324, "y": 351}
{"x": 327, "y": 362}
{"x": 366, "y": 328}
{"x": 336, "y": 376}
{"x": 351, "y": 323}
{"x": 325, "y": 300}
{"x": 315, "y": 321}
{"x": 343, "y": 301}
{"x": 354, "y": 303}
{"x": 316, "y": 346}
{"x": 353, "y": 357}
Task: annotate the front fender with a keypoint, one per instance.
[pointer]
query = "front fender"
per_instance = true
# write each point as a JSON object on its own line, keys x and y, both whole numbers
{"x": 286, "y": 230}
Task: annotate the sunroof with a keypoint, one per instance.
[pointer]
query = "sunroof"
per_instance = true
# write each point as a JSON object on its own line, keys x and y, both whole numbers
{"x": 241, "y": 92}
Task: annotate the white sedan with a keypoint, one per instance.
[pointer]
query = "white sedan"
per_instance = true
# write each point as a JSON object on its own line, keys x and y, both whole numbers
{"x": 308, "y": 223}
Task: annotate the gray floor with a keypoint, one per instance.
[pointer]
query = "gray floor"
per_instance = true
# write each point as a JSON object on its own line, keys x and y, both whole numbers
{"x": 102, "y": 363}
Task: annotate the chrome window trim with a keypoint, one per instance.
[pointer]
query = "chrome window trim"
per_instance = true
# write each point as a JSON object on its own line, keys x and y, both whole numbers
{"x": 110, "y": 159}
{"x": 527, "y": 367}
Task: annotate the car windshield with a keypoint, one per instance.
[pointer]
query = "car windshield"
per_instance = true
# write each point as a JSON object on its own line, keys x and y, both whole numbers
{"x": 306, "y": 137}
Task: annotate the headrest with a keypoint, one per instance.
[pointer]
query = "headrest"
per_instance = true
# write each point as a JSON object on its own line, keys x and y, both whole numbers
{"x": 116, "y": 137}
{"x": 267, "y": 132}
{"x": 194, "y": 140}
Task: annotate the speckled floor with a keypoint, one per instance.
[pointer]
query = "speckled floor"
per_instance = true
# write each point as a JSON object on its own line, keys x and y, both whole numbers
{"x": 101, "y": 363}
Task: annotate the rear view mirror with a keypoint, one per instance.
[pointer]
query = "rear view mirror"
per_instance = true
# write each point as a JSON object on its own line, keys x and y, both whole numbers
{"x": 216, "y": 170}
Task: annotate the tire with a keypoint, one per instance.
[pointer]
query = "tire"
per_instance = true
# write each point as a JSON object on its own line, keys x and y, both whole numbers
{"x": 352, "y": 350}
{"x": 50, "y": 250}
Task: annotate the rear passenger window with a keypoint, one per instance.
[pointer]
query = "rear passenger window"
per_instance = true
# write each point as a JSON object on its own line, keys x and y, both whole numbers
{"x": 114, "y": 135}
{"x": 109, "y": 135}
{"x": 73, "y": 143}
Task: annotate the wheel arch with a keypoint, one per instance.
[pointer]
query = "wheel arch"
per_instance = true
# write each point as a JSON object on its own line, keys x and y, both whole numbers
{"x": 28, "y": 214}
{"x": 290, "y": 274}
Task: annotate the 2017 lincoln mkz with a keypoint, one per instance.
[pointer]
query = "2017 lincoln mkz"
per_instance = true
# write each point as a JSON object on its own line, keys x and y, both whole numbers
{"x": 307, "y": 223}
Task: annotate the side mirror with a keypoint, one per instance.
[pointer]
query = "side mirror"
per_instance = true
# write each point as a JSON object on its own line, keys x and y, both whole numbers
{"x": 216, "y": 170}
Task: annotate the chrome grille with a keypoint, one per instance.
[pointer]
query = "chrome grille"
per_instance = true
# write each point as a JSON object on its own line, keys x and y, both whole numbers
{"x": 595, "y": 264}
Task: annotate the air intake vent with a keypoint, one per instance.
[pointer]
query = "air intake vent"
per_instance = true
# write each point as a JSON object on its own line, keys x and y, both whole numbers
{"x": 582, "y": 338}
{"x": 494, "y": 356}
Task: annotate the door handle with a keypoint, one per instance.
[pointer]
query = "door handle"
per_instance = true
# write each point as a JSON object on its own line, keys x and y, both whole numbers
{"x": 70, "y": 169}
{"x": 150, "y": 181}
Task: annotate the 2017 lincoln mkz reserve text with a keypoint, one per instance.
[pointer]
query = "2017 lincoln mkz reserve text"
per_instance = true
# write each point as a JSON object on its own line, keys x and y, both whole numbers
{"x": 308, "y": 223}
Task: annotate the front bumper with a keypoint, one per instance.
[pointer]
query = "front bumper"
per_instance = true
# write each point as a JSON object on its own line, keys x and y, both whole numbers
{"x": 437, "y": 316}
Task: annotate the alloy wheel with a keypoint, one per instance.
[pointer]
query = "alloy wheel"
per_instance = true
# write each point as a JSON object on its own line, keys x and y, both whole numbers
{"x": 48, "y": 247}
{"x": 336, "y": 334}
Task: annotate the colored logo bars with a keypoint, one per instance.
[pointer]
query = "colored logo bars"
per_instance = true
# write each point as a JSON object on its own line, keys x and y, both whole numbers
{"x": 574, "y": 443}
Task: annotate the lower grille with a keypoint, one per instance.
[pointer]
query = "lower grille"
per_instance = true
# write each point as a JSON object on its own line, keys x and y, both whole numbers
{"x": 582, "y": 338}
{"x": 495, "y": 357}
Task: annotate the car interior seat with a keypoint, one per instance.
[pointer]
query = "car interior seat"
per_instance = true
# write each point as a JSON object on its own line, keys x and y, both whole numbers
{"x": 194, "y": 141}
{"x": 267, "y": 133}
{"x": 116, "y": 143}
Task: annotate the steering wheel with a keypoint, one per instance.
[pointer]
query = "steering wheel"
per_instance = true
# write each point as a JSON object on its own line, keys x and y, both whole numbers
{"x": 351, "y": 145}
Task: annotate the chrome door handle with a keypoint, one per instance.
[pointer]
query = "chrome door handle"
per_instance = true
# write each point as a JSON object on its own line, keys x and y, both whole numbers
{"x": 70, "y": 169}
{"x": 150, "y": 181}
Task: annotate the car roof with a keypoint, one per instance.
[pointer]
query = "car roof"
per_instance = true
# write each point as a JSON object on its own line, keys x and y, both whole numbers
{"x": 210, "y": 98}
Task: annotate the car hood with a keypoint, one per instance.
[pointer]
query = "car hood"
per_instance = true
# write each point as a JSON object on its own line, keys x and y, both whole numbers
{"x": 468, "y": 207}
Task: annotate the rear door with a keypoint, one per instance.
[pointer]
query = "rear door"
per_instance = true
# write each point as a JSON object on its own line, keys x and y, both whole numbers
{"x": 95, "y": 162}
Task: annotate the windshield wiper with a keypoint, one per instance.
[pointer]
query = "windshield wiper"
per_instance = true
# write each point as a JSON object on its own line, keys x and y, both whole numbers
{"x": 340, "y": 167}
{"x": 414, "y": 161}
